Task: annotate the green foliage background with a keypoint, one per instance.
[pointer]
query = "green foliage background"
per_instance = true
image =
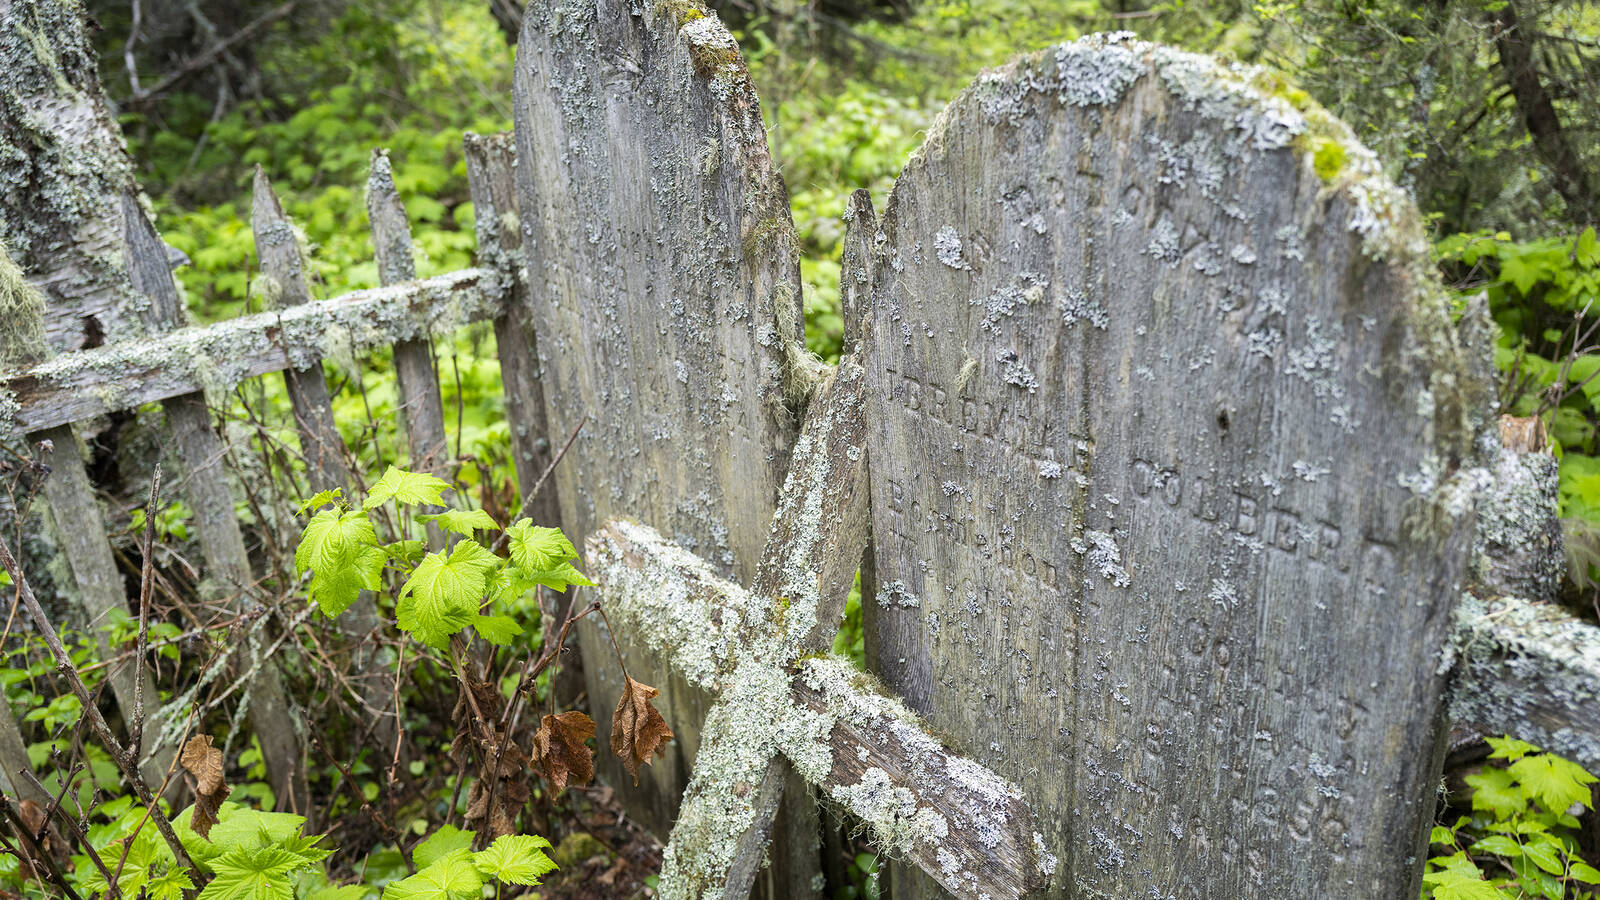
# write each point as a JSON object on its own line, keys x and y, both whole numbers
{"x": 845, "y": 102}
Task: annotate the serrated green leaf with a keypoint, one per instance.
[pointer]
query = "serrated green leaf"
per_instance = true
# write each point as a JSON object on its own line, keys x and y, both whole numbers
{"x": 516, "y": 859}
{"x": 253, "y": 874}
{"x": 1496, "y": 791}
{"x": 1555, "y": 782}
{"x": 409, "y": 552}
{"x": 1509, "y": 748}
{"x": 448, "y": 838}
{"x": 342, "y": 553}
{"x": 1499, "y": 845}
{"x": 450, "y": 877}
{"x": 535, "y": 548}
{"x": 321, "y": 499}
{"x": 406, "y": 488}
{"x": 442, "y": 595}
{"x": 497, "y": 630}
{"x": 169, "y": 885}
{"x": 560, "y": 577}
{"x": 461, "y": 521}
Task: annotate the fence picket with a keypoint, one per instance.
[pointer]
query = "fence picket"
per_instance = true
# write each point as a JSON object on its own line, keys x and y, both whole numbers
{"x": 205, "y": 486}
{"x": 491, "y": 175}
{"x": 81, "y": 531}
{"x": 413, "y": 359}
{"x": 320, "y": 443}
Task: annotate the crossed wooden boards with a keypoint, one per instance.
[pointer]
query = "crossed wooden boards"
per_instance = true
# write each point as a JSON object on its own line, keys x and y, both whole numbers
{"x": 1129, "y": 351}
{"x": 780, "y": 702}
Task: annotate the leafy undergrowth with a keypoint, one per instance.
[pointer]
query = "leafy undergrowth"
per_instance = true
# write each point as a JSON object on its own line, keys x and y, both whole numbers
{"x": 1522, "y": 838}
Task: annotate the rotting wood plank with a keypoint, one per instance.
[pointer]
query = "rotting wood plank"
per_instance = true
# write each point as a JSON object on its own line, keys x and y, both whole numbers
{"x": 413, "y": 357}
{"x": 205, "y": 486}
{"x": 88, "y": 383}
{"x": 491, "y": 176}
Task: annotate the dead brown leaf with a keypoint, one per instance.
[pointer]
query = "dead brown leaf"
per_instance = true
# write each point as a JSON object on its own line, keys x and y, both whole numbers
{"x": 561, "y": 751}
{"x": 638, "y": 732}
{"x": 204, "y": 764}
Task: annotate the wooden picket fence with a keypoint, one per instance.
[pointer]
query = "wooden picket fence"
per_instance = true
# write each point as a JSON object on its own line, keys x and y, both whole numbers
{"x": 177, "y": 366}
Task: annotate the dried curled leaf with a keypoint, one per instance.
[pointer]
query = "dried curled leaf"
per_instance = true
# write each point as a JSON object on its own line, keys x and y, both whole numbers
{"x": 638, "y": 732}
{"x": 204, "y": 763}
{"x": 561, "y": 751}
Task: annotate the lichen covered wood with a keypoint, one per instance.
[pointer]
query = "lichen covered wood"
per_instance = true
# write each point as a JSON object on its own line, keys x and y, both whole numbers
{"x": 1141, "y": 548}
{"x": 662, "y": 267}
{"x": 213, "y": 358}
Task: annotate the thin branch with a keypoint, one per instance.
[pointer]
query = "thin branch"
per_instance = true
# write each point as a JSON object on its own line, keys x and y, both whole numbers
{"x": 64, "y": 665}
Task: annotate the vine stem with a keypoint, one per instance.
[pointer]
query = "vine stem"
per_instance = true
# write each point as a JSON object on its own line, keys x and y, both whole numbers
{"x": 97, "y": 722}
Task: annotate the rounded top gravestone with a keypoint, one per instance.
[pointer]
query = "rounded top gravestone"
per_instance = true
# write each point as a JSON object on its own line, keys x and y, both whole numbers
{"x": 1164, "y": 410}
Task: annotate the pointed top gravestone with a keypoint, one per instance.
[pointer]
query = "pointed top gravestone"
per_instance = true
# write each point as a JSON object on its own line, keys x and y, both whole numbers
{"x": 1164, "y": 411}
{"x": 666, "y": 296}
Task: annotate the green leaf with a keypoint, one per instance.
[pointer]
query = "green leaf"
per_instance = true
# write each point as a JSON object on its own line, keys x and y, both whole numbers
{"x": 450, "y": 877}
{"x": 1499, "y": 845}
{"x": 461, "y": 521}
{"x": 1495, "y": 790}
{"x": 1459, "y": 878}
{"x": 1546, "y": 855}
{"x": 408, "y": 552}
{"x": 442, "y": 595}
{"x": 1440, "y": 835}
{"x": 1555, "y": 782}
{"x": 538, "y": 549}
{"x": 338, "y": 892}
{"x": 1582, "y": 870}
{"x": 497, "y": 630}
{"x": 254, "y": 874}
{"x": 1509, "y": 748}
{"x": 409, "y": 488}
{"x": 516, "y": 859}
{"x": 558, "y": 578}
{"x": 321, "y": 499}
{"x": 342, "y": 552}
{"x": 445, "y": 840}
{"x": 169, "y": 885}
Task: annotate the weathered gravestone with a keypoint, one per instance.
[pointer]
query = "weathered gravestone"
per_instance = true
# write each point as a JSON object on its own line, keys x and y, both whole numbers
{"x": 662, "y": 263}
{"x": 1165, "y": 409}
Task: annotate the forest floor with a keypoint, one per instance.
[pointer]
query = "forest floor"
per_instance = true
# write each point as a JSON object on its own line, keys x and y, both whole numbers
{"x": 605, "y": 855}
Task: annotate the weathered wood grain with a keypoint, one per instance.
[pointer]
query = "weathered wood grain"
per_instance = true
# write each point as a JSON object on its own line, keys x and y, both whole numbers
{"x": 413, "y": 357}
{"x": 1141, "y": 548}
{"x": 666, "y": 296}
{"x": 81, "y": 529}
{"x": 813, "y": 549}
{"x": 205, "y": 486}
{"x": 867, "y": 752}
{"x": 73, "y": 387}
{"x": 1530, "y": 670}
{"x": 283, "y": 271}
{"x": 491, "y": 177}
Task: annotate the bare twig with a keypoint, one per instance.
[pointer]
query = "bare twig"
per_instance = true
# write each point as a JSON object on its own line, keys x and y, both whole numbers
{"x": 527, "y": 502}
{"x": 127, "y": 763}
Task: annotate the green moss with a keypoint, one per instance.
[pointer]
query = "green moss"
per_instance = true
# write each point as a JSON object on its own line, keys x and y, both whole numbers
{"x": 21, "y": 316}
{"x": 682, "y": 11}
{"x": 1327, "y": 158}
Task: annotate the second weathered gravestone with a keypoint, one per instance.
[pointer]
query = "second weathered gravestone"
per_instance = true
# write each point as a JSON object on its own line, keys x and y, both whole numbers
{"x": 1164, "y": 412}
{"x": 666, "y": 297}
